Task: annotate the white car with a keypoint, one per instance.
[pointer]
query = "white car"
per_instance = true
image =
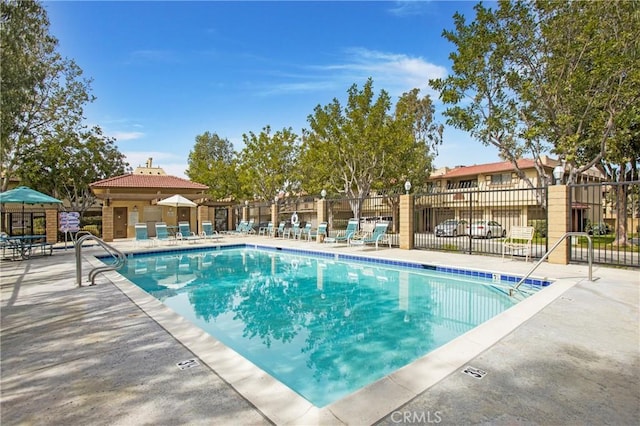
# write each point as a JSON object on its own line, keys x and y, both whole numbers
{"x": 487, "y": 229}
{"x": 451, "y": 228}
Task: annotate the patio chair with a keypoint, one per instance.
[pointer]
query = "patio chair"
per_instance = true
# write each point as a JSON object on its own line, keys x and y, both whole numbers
{"x": 518, "y": 241}
{"x": 378, "y": 236}
{"x": 345, "y": 236}
{"x": 266, "y": 230}
{"x": 208, "y": 233}
{"x": 305, "y": 232}
{"x": 292, "y": 231}
{"x": 142, "y": 236}
{"x": 162, "y": 234}
{"x": 185, "y": 233}
{"x": 280, "y": 231}
{"x": 320, "y": 233}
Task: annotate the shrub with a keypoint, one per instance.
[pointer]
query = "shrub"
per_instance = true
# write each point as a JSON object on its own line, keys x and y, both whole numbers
{"x": 540, "y": 227}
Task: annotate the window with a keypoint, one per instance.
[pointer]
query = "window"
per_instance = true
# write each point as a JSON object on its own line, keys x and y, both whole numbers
{"x": 501, "y": 179}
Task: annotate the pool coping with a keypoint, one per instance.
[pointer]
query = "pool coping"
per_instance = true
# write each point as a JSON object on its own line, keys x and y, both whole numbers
{"x": 365, "y": 406}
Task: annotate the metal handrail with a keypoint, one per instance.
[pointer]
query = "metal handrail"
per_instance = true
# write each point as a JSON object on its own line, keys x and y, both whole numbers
{"x": 120, "y": 259}
{"x": 568, "y": 234}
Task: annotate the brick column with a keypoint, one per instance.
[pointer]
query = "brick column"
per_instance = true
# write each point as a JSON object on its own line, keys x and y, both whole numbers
{"x": 202, "y": 214}
{"x": 406, "y": 238}
{"x": 274, "y": 215}
{"x": 322, "y": 210}
{"x": 107, "y": 223}
{"x": 558, "y": 223}
{"x": 51, "y": 220}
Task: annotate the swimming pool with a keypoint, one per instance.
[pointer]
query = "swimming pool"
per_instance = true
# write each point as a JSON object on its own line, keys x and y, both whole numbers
{"x": 323, "y": 325}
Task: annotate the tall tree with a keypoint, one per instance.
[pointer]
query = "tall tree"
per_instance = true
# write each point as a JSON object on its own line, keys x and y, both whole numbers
{"x": 214, "y": 162}
{"x": 364, "y": 147}
{"x": 42, "y": 93}
{"x": 65, "y": 164}
{"x": 267, "y": 163}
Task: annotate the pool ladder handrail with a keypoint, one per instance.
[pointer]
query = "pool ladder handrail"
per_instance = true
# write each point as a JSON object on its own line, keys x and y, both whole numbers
{"x": 119, "y": 256}
{"x": 568, "y": 234}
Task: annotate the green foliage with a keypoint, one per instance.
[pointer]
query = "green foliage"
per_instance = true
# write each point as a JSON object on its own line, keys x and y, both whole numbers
{"x": 43, "y": 140}
{"x": 213, "y": 162}
{"x": 268, "y": 163}
{"x": 362, "y": 147}
{"x": 532, "y": 77}
{"x": 539, "y": 226}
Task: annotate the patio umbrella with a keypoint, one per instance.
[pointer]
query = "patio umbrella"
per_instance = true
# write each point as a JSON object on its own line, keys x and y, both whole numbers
{"x": 25, "y": 195}
{"x": 177, "y": 201}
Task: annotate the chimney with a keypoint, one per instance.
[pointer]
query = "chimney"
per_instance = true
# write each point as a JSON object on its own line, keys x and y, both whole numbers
{"x": 149, "y": 161}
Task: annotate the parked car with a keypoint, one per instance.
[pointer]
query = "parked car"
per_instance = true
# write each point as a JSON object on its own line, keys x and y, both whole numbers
{"x": 487, "y": 229}
{"x": 451, "y": 228}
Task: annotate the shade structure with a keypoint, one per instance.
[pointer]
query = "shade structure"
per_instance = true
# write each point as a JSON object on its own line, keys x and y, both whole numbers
{"x": 177, "y": 201}
{"x": 26, "y": 195}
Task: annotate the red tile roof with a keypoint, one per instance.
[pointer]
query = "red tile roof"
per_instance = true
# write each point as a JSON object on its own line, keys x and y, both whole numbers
{"x": 504, "y": 166}
{"x": 147, "y": 181}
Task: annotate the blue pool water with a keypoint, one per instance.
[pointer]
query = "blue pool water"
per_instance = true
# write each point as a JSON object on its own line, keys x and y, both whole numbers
{"x": 322, "y": 326}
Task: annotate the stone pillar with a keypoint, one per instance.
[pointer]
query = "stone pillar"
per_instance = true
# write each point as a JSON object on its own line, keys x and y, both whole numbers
{"x": 558, "y": 223}
{"x": 322, "y": 211}
{"x": 406, "y": 237}
{"x": 245, "y": 213}
{"x": 274, "y": 215}
{"x": 107, "y": 223}
{"x": 202, "y": 214}
{"x": 51, "y": 219}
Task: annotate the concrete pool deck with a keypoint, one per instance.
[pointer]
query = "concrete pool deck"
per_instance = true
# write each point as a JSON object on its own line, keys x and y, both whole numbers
{"x": 108, "y": 354}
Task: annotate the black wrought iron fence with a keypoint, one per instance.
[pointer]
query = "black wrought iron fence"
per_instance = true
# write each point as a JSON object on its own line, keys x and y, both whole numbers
{"x": 371, "y": 210}
{"x": 476, "y": 219}
{"x": 610, "y": 213}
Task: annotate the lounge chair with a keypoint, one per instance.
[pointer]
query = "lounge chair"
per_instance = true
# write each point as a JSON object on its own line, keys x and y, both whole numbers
{"x": 162, "y": 234}
{"x": 208, "y": 233}
{"x": 345, "y": 236}
{"x": 185, "y": 233}
{"x": 266, "y": 230}
{"x": 142, "y": 236}
{"x": 320, "y": 233}
{"x": 305, "y": 232}
{"x": 292, "y": 231}
{"x": 378, "y": 236}
{"x": 280, "y": 231}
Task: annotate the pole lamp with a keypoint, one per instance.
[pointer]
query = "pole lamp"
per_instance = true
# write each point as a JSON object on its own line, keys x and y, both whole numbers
{"x": 558, "y": 173}
{"x": 323, "y": 193}
{"x": 407, "y": 187}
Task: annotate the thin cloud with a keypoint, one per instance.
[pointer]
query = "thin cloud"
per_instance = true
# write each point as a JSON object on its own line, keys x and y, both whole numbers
{"x": 126, "y": 136}
{"x": 408, "y": 8}
{"x": 395, "y": 72}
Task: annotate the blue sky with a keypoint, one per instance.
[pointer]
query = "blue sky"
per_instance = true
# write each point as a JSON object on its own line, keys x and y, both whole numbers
{"x": 165, "y": 72}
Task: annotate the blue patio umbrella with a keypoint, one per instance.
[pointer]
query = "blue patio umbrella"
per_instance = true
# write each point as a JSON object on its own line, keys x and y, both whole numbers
{"x": 25, "y": 195}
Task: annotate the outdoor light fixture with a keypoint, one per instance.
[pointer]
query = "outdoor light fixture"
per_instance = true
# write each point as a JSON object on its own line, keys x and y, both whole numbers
{"x": 246, "y": 203}
{"x": 407, "y": 186}
{"x": 323, "y": 193}
{"x": 558, "y": 173}
{"x": 275, "y": 199}
{"x": 135, "y": 209}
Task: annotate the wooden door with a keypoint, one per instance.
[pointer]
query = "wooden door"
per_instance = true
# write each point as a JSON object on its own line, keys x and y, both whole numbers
{"x": 119, "y": 222}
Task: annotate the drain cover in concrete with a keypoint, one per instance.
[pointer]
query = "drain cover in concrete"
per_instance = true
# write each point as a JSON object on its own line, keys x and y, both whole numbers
{"x": 474, "y": 372}
{"x": 189, "y": 363}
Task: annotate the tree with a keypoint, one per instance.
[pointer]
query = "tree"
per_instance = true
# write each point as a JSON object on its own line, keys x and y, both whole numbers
{"x": 66, "y": 163}
{"x": 42, "y": 92}
{"x": 542, "y": 76}
{"x": 267, "y": 163}
{"x": 364, "y": 147}
{"x": 214, "y": 162}
{"x": 497, "y": 58}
